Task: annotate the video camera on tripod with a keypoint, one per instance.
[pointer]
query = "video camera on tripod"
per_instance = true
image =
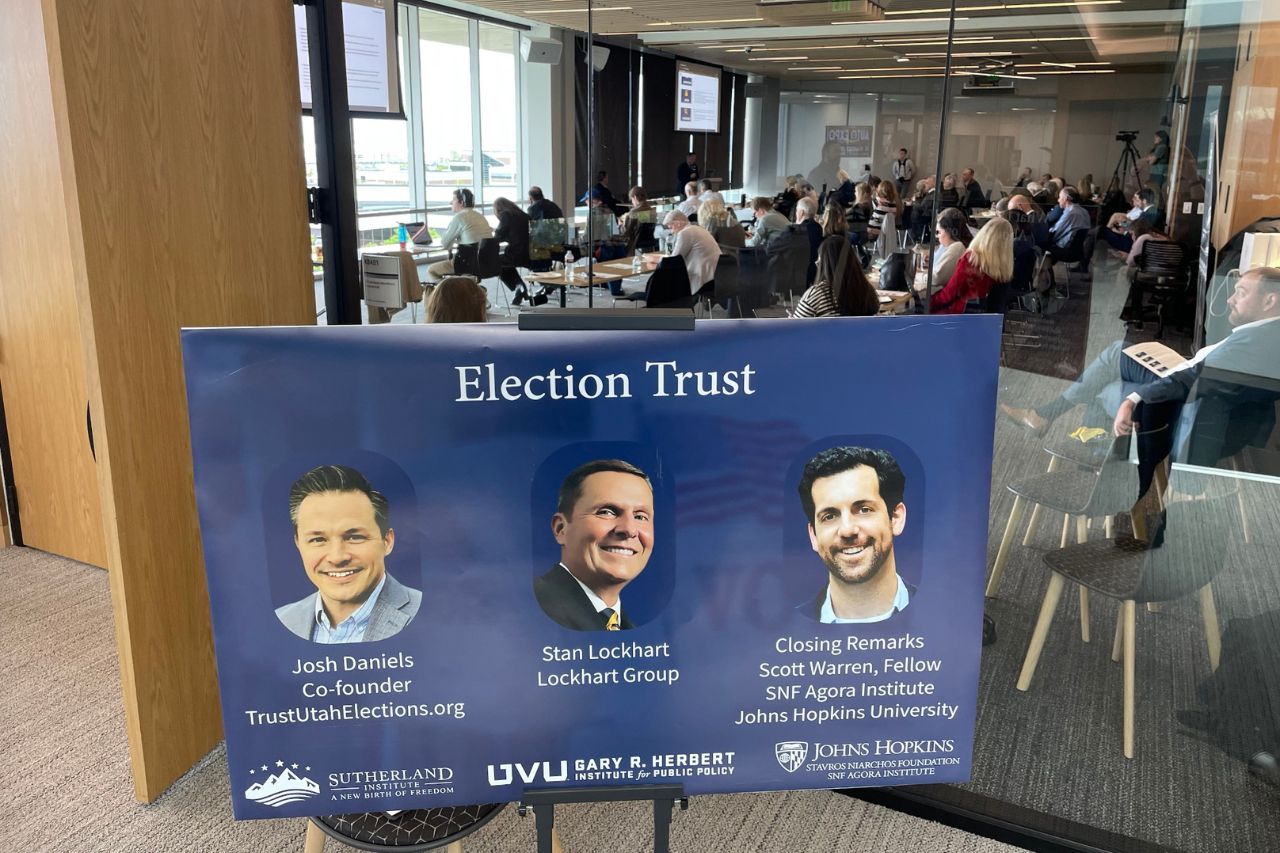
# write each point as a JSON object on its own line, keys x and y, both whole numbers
{"x": 1127, "y": 167}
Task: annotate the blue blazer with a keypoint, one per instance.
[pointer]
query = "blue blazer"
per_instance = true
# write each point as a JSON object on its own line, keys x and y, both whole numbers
{"x": 396, "y": 606}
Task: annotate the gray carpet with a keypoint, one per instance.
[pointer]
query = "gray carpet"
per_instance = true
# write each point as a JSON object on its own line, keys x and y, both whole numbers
{"x": 1056, "y": 749}
{"x": 65, "y": 771}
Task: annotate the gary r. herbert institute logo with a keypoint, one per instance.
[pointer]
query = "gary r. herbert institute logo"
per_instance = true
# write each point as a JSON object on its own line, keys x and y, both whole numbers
{"x": 280, "y": 785}
{"x": 791, "y": 754}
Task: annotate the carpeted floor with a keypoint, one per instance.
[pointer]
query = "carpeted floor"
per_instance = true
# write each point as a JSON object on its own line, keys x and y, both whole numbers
{"x": 65, "y": 772}
{"x": 1056, "y": 749}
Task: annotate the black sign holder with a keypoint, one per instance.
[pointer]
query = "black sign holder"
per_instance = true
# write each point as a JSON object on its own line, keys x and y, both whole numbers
{"x": 543, "y": 801}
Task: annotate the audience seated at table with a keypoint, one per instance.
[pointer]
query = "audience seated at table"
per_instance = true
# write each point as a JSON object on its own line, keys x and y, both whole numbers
{"x": 887, "y": 202}
{"x": 1025, "y": 249}
{"x": 696, "y": 246}
{"x": 1072, "y": 219}
{"x": 468, "y": 227}
{"x": 806, "y": 213}
{"x": 863, "y": 202}
{"x": 987, "y": 262}
{"x": 971, "y": 195}
{"x": 457, "y": 299}
{"x": 785, "y": 202}
{"x": 1025, "y": 177}
{"x": 1118, "y": 232}
{"x": 708, "y": 192}
{"x": 721, "y": 223}
{"x": 640, "y": 210}
{"x": 769, "y": 223}
{"x": 948, "y": 196}
{"x": 834, "y": 221}
{"x": 844, "y": 192}
{"x": 513, "y": 230}
{"x": 1039, "y": 229}
{"x": 1143, "y": 232}
{"x": 840, "y": 288}
{"x": 689, "y": 207}
{"x": 952, "y": 233}
{"x": 541, "y": 207}
{"x": 602, "y": 194}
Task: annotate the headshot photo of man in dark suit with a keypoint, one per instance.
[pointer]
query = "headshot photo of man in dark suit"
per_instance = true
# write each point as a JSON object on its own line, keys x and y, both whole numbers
{"x": 852, "y": 497}
{"x": 341, "y": 528}
{"x": 604, "y": 526}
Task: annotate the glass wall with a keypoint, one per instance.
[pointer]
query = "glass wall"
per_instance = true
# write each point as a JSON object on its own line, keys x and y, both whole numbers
{"x": 1133, "y": 150}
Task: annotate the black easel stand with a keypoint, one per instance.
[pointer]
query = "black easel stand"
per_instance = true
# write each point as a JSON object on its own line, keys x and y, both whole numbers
{"x": 543, "y": 801}
{"x": 543, "y": 804}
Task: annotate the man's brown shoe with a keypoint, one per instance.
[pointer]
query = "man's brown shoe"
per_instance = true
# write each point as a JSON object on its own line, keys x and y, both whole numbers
{"x": 1025, "y": 418}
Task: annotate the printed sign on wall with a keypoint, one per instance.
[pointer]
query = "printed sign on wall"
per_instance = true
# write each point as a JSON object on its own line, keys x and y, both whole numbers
{"x": 447, "y": 564}
{"x": 855, "y": 140}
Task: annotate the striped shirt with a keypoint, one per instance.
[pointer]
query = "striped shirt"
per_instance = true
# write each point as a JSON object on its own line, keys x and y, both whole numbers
{"x": 817, "y": 301}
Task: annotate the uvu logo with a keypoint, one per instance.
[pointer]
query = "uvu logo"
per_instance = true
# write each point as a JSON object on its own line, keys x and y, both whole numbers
{"x": 504, "y": 774}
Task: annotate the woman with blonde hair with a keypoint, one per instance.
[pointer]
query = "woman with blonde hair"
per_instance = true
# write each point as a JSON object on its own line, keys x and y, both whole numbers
{"x": 722, "y": 223}
{"x": 840, "y": 289}
{"x": 457, "y": 299}
{"x": 987, "y": 262}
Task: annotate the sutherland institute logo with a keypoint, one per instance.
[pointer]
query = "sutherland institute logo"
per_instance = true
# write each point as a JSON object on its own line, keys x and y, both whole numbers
{"x": 791, "y": 754}
{"x": 280, "y": 786}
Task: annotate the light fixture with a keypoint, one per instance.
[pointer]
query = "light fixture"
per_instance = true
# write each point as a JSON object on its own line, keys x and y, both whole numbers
{"x": 581, "y": 11}
{"x": 718, "y": 21}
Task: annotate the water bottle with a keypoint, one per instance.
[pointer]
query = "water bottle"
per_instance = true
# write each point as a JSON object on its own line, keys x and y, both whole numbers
{"x": 403, "y": 237}
{"x": 569, "y": 271}
{"x": 636, "y": 264}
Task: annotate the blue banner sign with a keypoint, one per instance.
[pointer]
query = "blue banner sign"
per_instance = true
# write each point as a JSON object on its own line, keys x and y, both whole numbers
{"x": 449, "y": 563}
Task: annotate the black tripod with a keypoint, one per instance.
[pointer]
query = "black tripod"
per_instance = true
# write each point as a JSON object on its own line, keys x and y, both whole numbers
{"x": 1128, "y": 161}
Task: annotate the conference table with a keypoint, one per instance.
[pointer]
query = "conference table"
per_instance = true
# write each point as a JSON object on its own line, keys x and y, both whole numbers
{"x": 602, "y": 272}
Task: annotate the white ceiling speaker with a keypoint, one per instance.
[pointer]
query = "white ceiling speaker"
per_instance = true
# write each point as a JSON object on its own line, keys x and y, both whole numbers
{"x": 599, "y": 56}
{"x": 540, "y": 51}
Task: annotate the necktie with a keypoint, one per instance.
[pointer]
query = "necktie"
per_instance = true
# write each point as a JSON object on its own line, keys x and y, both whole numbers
{"x": 611, "y": 619}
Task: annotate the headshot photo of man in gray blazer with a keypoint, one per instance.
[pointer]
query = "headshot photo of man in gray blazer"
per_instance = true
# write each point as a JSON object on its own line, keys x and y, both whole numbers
{"x": 341, "y": 528}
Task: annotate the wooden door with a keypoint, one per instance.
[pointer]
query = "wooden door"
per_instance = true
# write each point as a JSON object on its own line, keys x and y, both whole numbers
{"x": 42, "y": 365}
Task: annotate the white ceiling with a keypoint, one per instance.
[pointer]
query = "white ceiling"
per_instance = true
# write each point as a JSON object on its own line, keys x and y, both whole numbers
{"x": 897, "y": 39}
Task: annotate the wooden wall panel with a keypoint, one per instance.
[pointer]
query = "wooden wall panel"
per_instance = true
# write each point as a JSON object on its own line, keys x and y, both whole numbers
{"x": 42, "y": 372}
{"x": 182, "y": 129}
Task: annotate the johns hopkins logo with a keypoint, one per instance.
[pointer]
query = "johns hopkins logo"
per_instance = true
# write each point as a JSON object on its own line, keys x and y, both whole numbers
{"x": 280, "y": 785}
{"x": 791, "y": 754}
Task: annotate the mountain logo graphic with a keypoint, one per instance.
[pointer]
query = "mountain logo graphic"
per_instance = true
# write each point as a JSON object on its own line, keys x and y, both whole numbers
{"x": 281, "y": 788}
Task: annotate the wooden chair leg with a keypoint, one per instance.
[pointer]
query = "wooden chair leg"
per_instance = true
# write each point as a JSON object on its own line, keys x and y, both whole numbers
{"x": 1212, "y": 634}
{"x": 1006, "y": 543}
{"x": 453, "y": 847}
{"x": 1066, "y": 530}
{"x": 1244, "y": 514}
{"x": 1118, "y": 643}
{"x": 1082, "y": 535}
{"x": 1130, "y": 652}
{"x": 1035, "y": 510}
{"x": 1050, "y": 603}
{"x": 314, "y": 842}
{"x": 1109, "y": 527}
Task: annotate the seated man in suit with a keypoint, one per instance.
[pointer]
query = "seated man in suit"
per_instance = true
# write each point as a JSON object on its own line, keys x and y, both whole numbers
{"x": 604, "y": 525}
{"x": 1134, "y": 396}
{"x": 852, "y": 497}
{"x": 342, "y": 532}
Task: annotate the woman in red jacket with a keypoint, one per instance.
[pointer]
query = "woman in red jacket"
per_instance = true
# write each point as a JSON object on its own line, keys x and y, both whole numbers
{"x": 987, "y": 261}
